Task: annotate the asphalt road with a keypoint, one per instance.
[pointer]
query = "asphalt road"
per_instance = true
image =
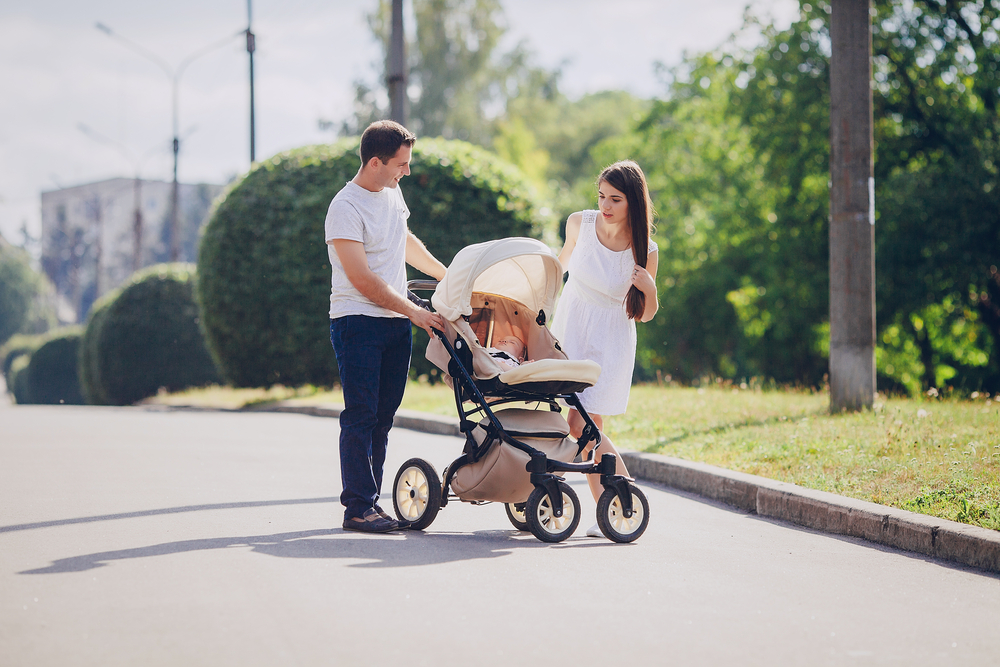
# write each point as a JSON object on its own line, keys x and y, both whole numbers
{"x": 132, "y": 536}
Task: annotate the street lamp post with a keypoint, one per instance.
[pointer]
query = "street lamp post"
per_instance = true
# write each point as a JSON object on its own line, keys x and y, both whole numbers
{"x": 251, "y": 47}
{"x": 174, "y": 75}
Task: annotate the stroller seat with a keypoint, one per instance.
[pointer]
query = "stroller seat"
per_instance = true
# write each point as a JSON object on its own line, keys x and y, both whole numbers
{"x": 553, "y": 370}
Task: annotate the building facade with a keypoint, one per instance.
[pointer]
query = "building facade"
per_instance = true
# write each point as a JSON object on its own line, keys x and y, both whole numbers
{"x": 94, "y": 236}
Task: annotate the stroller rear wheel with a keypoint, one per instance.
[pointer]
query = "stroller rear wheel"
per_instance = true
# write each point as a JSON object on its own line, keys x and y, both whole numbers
{"x": 541, "y": 518}
{"x": 612, "y": 520}
{"x": 416, "y": 494}
{"x": 516, "y": 515}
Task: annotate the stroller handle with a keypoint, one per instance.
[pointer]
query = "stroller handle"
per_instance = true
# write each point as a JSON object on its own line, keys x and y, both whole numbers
{"x": 421, "y": 285}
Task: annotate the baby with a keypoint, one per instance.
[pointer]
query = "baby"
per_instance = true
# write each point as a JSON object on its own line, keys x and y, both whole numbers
{"x": 509, "y": 352}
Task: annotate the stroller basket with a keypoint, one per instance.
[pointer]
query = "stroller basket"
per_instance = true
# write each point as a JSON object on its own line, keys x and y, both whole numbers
{"x": 500, "y": 473}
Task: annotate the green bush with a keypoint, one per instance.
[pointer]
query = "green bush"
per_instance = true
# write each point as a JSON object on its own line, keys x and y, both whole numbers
{"x": 17, "y": 379}
{"x": 264, "y": 274}
{"x": 88, "y": 369}
{"x": 19, "y": 286}
{"x": 18, "y": 346}
{"x": 50, "y": 376}
{"x": 147, "y": 337}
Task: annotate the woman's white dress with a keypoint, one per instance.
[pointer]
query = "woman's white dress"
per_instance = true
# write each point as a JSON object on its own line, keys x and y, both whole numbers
{"x": 590, "y": 320}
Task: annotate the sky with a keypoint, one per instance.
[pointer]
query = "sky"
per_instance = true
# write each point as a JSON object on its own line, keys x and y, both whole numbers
{"x": 78, "y": 106}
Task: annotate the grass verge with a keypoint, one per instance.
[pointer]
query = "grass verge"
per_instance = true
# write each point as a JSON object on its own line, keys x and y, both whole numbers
{"x": 937, "y": 457}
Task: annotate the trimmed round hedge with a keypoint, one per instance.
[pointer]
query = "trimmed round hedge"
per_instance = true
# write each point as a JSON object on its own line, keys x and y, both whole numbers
{"x": 17, "y": 380}
{"x": 263, "y": 270}
{"x": 17, "y": 346}
{"x": 144, "y": 337}
{"x": 50, "y": 376}
{"x": 88, "y": 370}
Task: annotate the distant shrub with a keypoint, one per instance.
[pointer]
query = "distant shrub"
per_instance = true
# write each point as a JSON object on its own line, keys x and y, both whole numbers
{"x": 88, "y": 368}
{"x": 19, "y": 286}
{"x": 18, "y": 346}
{"x": 17, "y": 383}
{"x": 264, "y": 275}
{"x": 50, "y": 375}
{"x": 147, "y": 337}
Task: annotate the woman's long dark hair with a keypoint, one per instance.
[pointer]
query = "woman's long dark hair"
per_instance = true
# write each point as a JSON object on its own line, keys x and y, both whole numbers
{"x": 627, "y": 178}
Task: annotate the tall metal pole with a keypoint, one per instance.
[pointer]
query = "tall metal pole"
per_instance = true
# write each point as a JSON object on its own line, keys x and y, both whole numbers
{"x": 98, "y": 243}
{"x": 175, "y": 244}
{"x": 397, "y": 66}
{"x": 137, "y": 224}
{"x": 852, "y": 209}
{"x": 251, "y": 47}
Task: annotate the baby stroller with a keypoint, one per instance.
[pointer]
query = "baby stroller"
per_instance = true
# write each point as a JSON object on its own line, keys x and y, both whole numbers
{"x": 512, "y": 455}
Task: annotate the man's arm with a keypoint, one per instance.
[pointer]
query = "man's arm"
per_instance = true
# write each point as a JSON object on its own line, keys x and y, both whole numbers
{"x": 355, "y": 262}
{"x": 421, "y": 259}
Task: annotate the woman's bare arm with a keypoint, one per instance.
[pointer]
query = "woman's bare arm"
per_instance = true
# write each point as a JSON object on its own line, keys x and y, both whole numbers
{"x": 572, "y": 234}
{"x": 644, "y": 279}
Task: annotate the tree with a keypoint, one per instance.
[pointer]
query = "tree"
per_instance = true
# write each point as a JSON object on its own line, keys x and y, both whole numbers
{"x": 937, "y": 71}
{"x": 465, "y": 88}
{"x": 459, "y": 83}
{"x": 741, "y": 224}
{"x": 25, "y": 306}
{"x": 737, "y": 155}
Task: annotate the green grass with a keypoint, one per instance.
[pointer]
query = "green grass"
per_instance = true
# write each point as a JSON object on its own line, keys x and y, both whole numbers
{"x": 230, "y": 398}
{"x": 937, "y": 457}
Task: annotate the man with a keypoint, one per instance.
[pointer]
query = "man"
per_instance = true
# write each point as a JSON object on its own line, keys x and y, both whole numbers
{"x": 368, "y": 242}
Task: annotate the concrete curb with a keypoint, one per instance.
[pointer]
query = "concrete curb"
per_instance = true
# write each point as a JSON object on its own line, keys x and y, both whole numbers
{"x": 408, "y": 419}
{"x": 823, "y": 511}
{"x": 819, "y": 510}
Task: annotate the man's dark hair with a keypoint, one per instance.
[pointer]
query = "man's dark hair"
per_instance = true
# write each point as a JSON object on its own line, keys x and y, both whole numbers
{"x": 382, "y": 139}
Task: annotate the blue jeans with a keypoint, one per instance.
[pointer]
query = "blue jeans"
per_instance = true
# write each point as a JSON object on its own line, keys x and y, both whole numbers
{"x": 373, "y": 354}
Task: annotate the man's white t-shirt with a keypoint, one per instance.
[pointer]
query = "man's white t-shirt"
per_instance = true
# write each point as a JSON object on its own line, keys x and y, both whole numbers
{"x": 377, "y": 220}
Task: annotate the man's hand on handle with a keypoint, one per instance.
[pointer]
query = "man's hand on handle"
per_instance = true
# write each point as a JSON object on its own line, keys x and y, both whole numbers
{"x": 427, "y": 320}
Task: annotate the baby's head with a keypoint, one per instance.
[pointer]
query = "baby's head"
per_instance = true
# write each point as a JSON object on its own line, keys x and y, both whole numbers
{"x": 512, "y": 345}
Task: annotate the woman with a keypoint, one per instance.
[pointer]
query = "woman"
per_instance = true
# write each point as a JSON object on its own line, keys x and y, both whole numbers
{"x": 611, "y": 261}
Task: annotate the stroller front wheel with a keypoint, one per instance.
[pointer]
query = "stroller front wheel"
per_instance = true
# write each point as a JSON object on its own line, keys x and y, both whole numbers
{"x": 416, "y": 495}
{"x": 541, "y": 518}
{"x": 612, "y": 520}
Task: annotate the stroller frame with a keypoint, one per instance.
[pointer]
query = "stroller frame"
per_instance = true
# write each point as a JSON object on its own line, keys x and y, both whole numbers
{"x": 621, "y": 496}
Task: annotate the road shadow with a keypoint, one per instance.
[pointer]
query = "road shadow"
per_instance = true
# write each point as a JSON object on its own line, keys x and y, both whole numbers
{"x": 398, "y": 549}
{"x": 163, "y": 511}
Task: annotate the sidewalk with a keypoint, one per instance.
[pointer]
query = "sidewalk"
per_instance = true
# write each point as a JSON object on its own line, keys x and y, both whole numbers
{"x": 819, "y": 510}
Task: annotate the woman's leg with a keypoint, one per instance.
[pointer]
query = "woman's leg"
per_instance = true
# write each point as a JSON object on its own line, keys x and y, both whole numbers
{"x": 576, "y": 425}
{"x": 576, "y": 422}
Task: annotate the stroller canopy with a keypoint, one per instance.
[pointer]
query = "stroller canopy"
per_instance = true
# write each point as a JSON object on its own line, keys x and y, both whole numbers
{"x": 525, "y": 270}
